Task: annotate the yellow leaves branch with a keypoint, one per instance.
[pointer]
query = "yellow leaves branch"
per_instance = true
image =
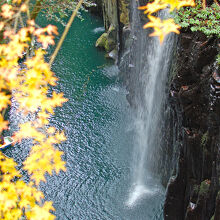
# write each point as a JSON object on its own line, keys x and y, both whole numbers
{"x": 162, "y": 28}
{"x": 28, "y": 84}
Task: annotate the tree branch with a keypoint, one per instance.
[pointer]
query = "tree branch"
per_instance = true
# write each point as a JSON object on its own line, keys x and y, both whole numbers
{"x": 65, "y": 32}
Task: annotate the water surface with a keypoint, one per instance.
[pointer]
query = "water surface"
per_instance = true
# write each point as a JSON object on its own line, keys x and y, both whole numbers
{"x": 97, "y": 121}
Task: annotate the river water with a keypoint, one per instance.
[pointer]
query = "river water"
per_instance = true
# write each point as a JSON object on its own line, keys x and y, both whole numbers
{"x": 97, "y": 121}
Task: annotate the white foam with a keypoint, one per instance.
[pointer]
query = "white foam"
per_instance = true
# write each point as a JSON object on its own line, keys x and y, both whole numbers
{"x": 116, "y": 89}
{"x": 136, "y": 194}
{"x": 98, "y": 30}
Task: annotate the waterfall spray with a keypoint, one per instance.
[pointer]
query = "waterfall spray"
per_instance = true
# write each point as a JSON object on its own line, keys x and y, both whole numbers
{"x": 151, "y": 66}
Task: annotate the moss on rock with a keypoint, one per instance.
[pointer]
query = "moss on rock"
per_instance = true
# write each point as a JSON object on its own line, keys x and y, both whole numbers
{"x": 124, "y": 12}
{"x": 107, "y": 40}
{"x": 102, "y": 40}
{"x": 109, "y": 45}
{"x": 204, "y": 188}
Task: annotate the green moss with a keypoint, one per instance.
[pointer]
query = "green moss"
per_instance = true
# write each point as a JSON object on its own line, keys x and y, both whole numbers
{"x": 124, "y": 12}
{"x": 204, "y": 188}
{"x": 101, "y": 40}
{"x": 107, "y": 40}
{"x": 109, "y": 45}
{"x": 196, "y": 189}
{"x": 218, "y": 59}
{"x": 112, "y": 32}
{"x": 198, "y": 19}
{"x": 204, "y": 139}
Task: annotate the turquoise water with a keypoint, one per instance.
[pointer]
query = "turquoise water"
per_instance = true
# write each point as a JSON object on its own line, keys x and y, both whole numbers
{"x": 97, "y": 121}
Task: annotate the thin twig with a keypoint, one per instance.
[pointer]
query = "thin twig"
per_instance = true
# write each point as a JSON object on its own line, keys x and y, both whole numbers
{"x": 28, "y": 11}
{"x": 21, "y": 21}
{"x": 16, "y": 24}
{"x": 36, "y": 10}
{"x": 65, "y": 32}
{"x": 203, "y": 4}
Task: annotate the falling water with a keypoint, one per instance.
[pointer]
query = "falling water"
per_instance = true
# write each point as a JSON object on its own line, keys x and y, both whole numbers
{"x": 150, "y": 62}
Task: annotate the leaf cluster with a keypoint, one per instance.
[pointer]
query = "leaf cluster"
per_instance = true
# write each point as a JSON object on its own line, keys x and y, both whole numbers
{"x": 28, "y": 84}
{"x": 56, "y": 10}
{"x": 206, "y": 20}
{"x": 218, "y": 59}
{"x": 163, "y": 27}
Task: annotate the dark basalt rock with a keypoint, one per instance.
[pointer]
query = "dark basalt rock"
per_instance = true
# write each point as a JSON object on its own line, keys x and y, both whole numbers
{"x": 195, "y": 99}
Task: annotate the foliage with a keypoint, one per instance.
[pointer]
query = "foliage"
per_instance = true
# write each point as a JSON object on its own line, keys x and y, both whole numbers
{"x": 204, "y": 187}
{"x": 204, "y": 138}
{"x": 218, "y": 59}
{"x": 206, "y": 20}
{"x": 59, "y": 9}
{"x": 199, "y": 18}
{"x": 162, "y": 28}
{"x": 55, "y": 10}
{"x": 27, "y": 83}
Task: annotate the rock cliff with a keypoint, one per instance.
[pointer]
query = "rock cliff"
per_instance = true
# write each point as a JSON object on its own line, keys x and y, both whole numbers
{"x": 194, "y": 96}
{"x": 116, "y": 17}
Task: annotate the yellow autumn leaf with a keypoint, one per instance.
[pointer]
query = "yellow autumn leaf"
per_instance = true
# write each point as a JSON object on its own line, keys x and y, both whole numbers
{"x": 29, "y": 82}
{"x": 44, "y": 211}
{"x": 178, "y": 3}
{"x": 17, "y": 1}
{"x": 51, "y": 29}
{"x": 4, "y": 100}
{"x": 60, "y": 165}
{"x": 60, "y": 136}
{"x": 3, "y": 124}
{"x": 7, "y": 11}
{"x": 161, "y": 27}
{"x": 2, "y": 25}
{"x": 23, "y": 7}
{"x": 46, "y": 40}
{"x": 47, "y": 158}
{"x": 153, "y": 7}
{"x": 51, "y": 130}
{"x": 27, "y": 130}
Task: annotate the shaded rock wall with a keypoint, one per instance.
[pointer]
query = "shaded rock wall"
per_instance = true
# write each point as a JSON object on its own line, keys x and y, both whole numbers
{"x": 116, "y": 17}
{"x": 195, "y": 99}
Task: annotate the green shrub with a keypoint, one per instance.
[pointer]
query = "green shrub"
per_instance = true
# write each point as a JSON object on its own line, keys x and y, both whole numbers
{"x": 218, "y": 59}
{"x": 198, "y": 19}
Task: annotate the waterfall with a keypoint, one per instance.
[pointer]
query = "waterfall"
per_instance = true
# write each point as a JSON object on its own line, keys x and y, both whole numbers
{"x": 150, "y": 64}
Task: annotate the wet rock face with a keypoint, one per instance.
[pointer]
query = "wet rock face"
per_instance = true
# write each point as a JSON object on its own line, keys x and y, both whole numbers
{"x": 195, "y": 97}
{"x": 116, "y": 17}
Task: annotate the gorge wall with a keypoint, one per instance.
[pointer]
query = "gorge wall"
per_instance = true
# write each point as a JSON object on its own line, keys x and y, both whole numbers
{"x": 116, "y": 19}
{"x": 190, "y": 154}
{"x": 194, "y": 96}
